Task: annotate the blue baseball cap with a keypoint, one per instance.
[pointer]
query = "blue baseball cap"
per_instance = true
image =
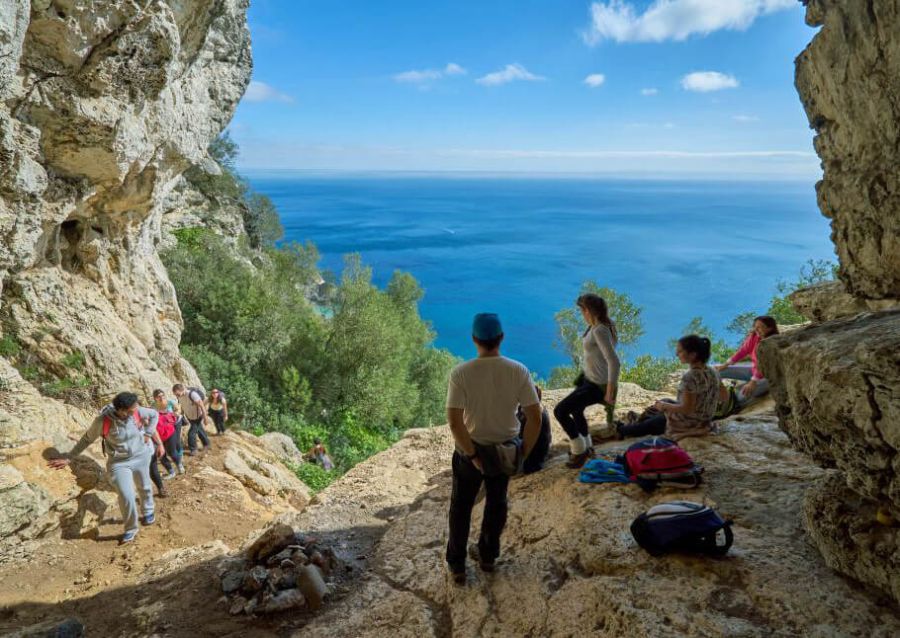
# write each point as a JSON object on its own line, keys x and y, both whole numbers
{"x": 486, "y": 326}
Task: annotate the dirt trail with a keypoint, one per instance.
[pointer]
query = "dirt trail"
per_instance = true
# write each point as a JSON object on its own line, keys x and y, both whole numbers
{"x": 64, "y": 577}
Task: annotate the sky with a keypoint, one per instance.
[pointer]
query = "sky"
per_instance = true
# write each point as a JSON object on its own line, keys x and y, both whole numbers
{"x": 619, "y": 87}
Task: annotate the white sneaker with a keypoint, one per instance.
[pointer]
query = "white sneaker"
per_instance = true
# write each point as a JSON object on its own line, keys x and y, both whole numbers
{"x": 170, "y": 475}
{"x": 181, "y": 468}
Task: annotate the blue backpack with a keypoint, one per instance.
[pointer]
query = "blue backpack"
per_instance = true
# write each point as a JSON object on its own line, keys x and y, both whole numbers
{"x": 682, "y": 526}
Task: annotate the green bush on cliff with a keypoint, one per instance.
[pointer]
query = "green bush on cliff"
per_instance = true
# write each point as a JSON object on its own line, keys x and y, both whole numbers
{"x": 355, "y": 373}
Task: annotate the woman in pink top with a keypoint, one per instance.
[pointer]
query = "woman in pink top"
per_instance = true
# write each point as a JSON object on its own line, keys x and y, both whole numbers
{"x": 755, "y": 386}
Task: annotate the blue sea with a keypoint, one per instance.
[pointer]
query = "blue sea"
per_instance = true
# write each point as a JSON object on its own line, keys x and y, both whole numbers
{"x": 522, "y": 246}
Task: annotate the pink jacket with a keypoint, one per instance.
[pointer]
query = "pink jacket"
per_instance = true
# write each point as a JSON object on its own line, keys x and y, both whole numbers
{"x": 749, "y": 347}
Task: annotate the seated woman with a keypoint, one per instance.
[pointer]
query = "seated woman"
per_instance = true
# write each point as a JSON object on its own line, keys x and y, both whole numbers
{"x": 534, "y": 462}
{"x": 755, "y": 386}
{"x": 698, "y": 397}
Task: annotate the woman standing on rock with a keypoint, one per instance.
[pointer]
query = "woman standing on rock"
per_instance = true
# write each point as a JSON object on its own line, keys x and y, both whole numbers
{"x": 755, "y": 386}
{"x": 597, "y": 382}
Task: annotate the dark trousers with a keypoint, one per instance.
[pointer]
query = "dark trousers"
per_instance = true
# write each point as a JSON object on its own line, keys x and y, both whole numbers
{"x": 154, "y": 472}
{"x": 534, "y": 462}
{"x": 195, "y": 431}
{"x": 653, "y": 425}
{"x": 218, "y": 418}
{"x": 173, "y": 455}
{"x": 570, "y": 411}
{"x": 467, "y": 481}
{"x": 179, "y": 443}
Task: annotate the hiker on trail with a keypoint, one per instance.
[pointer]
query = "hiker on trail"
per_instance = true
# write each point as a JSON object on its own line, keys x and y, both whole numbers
{"x": 128, "y": 449}
{"x": 755, "y": 386}
{"x": 318, "y": 454}
{"x": 597, "y": 382}
{"x": 695, "y": 408}
{"x": 217, "y": 407}
{"x": 482, "y": 397}
{"x": 193, "y": 408}
{"x": 534, "y": 462}
{"x": 168, "y": 411}
{"x": 154, "y": 463}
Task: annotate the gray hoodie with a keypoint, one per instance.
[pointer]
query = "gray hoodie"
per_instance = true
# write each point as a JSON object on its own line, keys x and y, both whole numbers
{"x": 126, "y": 439}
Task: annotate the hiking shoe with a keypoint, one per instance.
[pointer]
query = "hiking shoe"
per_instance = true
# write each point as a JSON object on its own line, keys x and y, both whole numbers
{"x": 149, "y": 519}
{"x": 485, "y": 565}
{"x": 458, "y": 575}
{"x": 578, "y": 460}
{"x": 172, "y": 474}
{"x": 128, "y": 537}
{"x": 181, "y": 468}
{"x": 162, "y": 494}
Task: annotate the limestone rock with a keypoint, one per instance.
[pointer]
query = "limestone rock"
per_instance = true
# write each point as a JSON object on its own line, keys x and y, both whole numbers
{"x": 830, "y": 300}
{"x": 21, "y": 503}
{"x": 276, "y": 538}
{"x": 847, "y": 80}
{"x": 844, "y": 528}
{"x": 282, "y": 446}
{"x": 261, "y": 472}
{"x": 570, "y": 567}
{"x": 837, "y": 386}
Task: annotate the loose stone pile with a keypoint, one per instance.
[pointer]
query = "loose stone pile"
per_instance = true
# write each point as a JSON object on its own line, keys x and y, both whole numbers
{"x": 282, "y": 570}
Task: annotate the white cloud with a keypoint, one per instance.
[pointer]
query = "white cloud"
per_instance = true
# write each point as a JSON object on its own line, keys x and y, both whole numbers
{"x": 744, "y": 119}
{"x": 425, "y": 76}
{"x": 262, "y": 92}
{"x": 454, "y": 69}
{"x": 510, "y": 73}
{"x": 594, "y": 80}
{"x": 674, "y": 19}
{"x": 417, "y": 77}
{"x": 648, "y": 92}
{"x": 706, "y": 81}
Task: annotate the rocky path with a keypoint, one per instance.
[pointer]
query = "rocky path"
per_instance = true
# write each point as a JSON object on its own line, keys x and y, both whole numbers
{"x": 161, "y": 583}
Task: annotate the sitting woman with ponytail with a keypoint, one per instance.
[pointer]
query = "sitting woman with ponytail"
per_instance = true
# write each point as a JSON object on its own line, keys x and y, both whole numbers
{"x": 698, "y": 396}
{"x": 597, "y": 382}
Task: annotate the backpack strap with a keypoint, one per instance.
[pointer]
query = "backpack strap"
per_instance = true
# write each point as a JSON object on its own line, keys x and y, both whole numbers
{"x": 713, "y": 548}
{"x": 107, "y": 422}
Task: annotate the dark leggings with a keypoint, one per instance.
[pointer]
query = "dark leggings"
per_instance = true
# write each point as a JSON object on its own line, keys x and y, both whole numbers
{"x": 154, "y": 472}
{"x": 570, "y": 411}
{"x": 172, "y": 455}
{"x": 218, "y": 417}
{"x": 467, "y": 481}
{"x": 654, "y": 425}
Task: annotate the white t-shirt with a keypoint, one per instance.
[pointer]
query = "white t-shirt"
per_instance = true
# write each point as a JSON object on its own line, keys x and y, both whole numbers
{"x": 488, "y": 390}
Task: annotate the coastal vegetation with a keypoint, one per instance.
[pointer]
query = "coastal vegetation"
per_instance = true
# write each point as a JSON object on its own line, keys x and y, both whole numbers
{"x": 351, "y": 364}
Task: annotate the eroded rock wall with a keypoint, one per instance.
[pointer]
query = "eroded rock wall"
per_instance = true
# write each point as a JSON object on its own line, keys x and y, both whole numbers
{"x": 848, "y": 81}
{"x": 103, "y": 105}
{"x": 837, "y": 382}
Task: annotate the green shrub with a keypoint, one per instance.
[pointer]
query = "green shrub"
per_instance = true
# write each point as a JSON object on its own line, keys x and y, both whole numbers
{"x": 9, "y": 346}
{"x": 314, "y": 476}
{"x": 651, "y": 373}
{"x": 74, "y": 360}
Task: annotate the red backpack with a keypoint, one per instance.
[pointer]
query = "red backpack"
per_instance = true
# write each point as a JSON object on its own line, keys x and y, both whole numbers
{"x": 165, "y": 427}
{"x": 660, "y": 461}
{"x": 107, "y": 423}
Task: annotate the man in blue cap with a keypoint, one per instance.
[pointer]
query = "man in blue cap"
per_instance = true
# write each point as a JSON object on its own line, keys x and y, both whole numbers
{"x": 482, "y": 398}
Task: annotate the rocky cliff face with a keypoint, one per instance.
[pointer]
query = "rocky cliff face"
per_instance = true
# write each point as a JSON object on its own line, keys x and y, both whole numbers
{"x": 103, "y": 105}
{"x": 847, "y": 80}
{"x": 837, "y": 383}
